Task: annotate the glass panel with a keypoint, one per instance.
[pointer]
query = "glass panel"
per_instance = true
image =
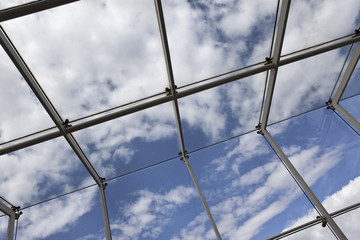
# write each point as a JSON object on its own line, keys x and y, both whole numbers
{"x": 347, "y": 222}
{"x": 93, "y": 55}
{"x": 315, "y": 232}
{"x": 4, "y": 220}
{"x": 309, "y": 21}
{"x": 131, "y": 142}
{"x": 351, "y": 105}
{"x": 155, "y": 203}
{"x": 353, "y": 87}
{"x": 40, "y": 172}
{"x": 21, "y": 112}
{"x": 250, "y": 193}
{"x": 70, "y": 217}
{"x": 221, "y": 113}
{"x": 305, "y": 85}
{"x": 324, "y": 150}
{"x": 208, "y": 38}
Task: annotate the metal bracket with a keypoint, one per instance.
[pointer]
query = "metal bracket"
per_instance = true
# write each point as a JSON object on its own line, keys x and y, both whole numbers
{"x": 66, "y": 123}
{"x": 268, "y": 60}
{"x": 324, "y": 222}
{"x": 17, "y": 211}
{"x": 329, "y": 105}
{"x": 104, "y": 185}
{"x": 259, "y": 131}
{"x": 357, "y": 31}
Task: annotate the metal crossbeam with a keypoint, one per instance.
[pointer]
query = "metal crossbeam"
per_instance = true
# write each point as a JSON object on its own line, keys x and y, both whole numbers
{"x": 31, "y": 7}
{"x": 304, "y": 186}
{"x": 30, "y": 79}
{"x": 172, "y": 85}
{"x": 180, "y": 94}
{"x": 279, "y": 39}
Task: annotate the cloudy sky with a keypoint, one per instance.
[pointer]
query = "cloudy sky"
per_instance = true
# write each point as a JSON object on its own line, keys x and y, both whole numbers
{"x": 91, "y": 56}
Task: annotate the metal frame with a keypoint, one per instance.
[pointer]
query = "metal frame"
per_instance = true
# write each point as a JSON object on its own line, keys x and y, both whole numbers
{"x": 11, "y": 223}
{"x": 64, "y": 129}
{"x": 173, "y": 92}
{"x": 60, "y": 124}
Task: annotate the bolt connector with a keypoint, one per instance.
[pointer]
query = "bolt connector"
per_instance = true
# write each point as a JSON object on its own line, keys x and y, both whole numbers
{"x": 66, "y": 123}
{"x": 268, "y": 60}
{"x": 329, "y": 105}
{"x": 324, "y": 222}
{"x": 259, "y": 131}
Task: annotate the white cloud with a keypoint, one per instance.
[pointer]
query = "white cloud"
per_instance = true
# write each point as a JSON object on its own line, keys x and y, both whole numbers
{"x": 55, "y": 216}
{"x": 346, "y": 196}
{"x": 39, "y": 172}
{"x": 149, "y": 214}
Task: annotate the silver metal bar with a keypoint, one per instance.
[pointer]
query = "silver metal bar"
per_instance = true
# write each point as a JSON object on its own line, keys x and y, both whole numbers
{"x": 11, "y": 222}
{"x": 347, "y": 75}
{"x": 105, "y": 212}
{"x": 11, "y": 226}
{"x": 346, "y": 115}
{"x": 208, "y": 85}
{"x": 279, "y": 39}
{"x": 31, "y": 7}
{"x": 166, "y": 51}
{"x": 304, "y": 186}
{"x": 35, "y": 87}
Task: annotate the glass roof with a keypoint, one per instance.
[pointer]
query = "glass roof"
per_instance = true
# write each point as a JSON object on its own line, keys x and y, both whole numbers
{"x": 179, "y": 119}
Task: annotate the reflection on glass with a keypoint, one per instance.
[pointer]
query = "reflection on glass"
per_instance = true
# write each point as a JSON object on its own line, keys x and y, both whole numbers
{"x": 223, "y": 112}
{"x": 325, "y": 152}
{"x": 156, "y": 203}
{"x": 40, "y": 172}
{"x": 305, "y": 85}
{"x": 250, "y": 193}
{"x": 348, "y": 223}
{"x": 131, "y": 142}
{"x": 22, "y": 113}
{"x": 93, "y": 55}
{"x": 307, "y": 22}
{"x": 75, "y": 216}
{"x": 208, "y": 38}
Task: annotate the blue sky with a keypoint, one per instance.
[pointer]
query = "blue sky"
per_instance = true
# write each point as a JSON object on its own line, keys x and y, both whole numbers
{"x": 96, "y": 55}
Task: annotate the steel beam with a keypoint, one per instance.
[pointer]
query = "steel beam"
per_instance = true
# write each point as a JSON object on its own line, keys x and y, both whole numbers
{"x": 164, "y": 40}
{"x": 11, "y": 223}
{"x": 347, "y": 75}
{"x": 279, "y": 39}
{"x": 346, "y": 115}
{"x": 45, "y": 102}
{"x": 189, "y": 91}
{"x": 105, "y": 212}
{"x": 299, "y": 179}
{"x": 29, "y": 8}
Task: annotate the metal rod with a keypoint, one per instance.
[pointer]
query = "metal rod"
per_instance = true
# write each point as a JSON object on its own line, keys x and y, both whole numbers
{"x": 347, "y": 75}
{"x": 45, "y": 102}
{"x": 31, "y": 7}
{"x": 304, "y": 186}
{"x": 196, "y": 89}
{"x": 166, "y": 51}
{"x": 105, "y": 212}
{"x": 280, "y": 33}
{"x": 347, "y": 115}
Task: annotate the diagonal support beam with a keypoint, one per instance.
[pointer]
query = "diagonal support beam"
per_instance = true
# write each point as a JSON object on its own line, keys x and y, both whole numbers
{"x": 29, "y": 8}
{"x": 30, "y": 79}
{"x": 279, "y": 39}
{"x": 164, "y": 39}
{"x": 304, "y": 186}
{"x": 347, "y": 75}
